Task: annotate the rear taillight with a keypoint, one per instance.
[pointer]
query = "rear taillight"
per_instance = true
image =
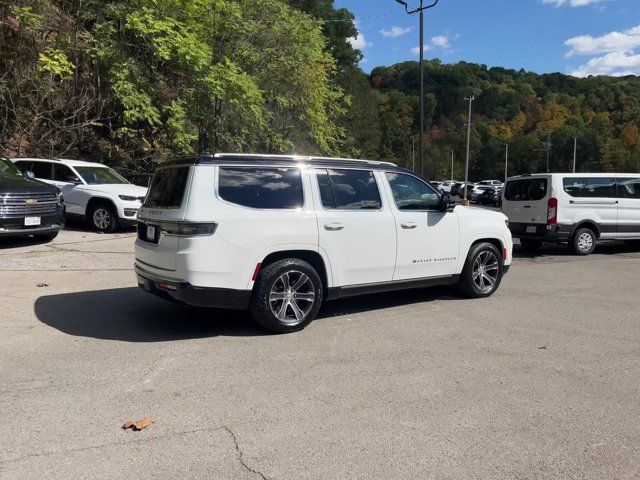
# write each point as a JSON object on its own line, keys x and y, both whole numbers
{"x": 552, "y": 211}
{"x": 188, "y": 229}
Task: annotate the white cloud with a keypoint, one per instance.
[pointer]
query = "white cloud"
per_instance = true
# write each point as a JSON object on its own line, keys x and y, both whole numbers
{"x": 613, "y": 53}
{"x": 360, "y": 42}
{"x": 611, "y": 42}
{"x": 395, "y": 32}
{"x": 442, "y": 42}
{"x": 616, "y": 64}
{"x": 573, "y": 3}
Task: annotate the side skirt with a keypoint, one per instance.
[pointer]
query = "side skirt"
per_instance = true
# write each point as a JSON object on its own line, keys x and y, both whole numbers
{"x": 369, "y": 288}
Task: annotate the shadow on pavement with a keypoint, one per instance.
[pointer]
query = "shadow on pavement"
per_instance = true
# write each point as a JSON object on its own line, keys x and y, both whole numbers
{"x": 607, "y": 247}
{"x": 131, "y": 315}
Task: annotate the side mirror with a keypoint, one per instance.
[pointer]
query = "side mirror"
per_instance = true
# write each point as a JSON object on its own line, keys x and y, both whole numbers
{"x": 447, "y": 203}
{"x": 30, "y": 174}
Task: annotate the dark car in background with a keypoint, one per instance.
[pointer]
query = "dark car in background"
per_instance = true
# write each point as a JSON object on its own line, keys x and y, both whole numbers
{"x": 491, "y": 196}
{"x": 455, "y": 188}
{"x": 28, "y": 206}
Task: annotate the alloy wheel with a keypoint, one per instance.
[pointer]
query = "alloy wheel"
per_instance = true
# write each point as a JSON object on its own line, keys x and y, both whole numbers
{"x": 101, "y": 218}
{"x": 292, "y": 297}
{"x": 485, "y": 271}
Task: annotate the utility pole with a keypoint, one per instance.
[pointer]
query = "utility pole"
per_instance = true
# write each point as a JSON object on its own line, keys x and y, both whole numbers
{"x": 420, "y": 10}
{"x": 506, "y": 162}
{"x": 452, "y": 165}
{"x": 466, "y": 167}
{"x": 413, "y": 152}
{"x": 575, "y": 152}
{"x": 547, "y": 146}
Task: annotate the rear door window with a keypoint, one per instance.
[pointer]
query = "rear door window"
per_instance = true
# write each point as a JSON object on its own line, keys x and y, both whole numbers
{"x": 590, "y": 187}
{"x": 42, "y": 170}
{"x": 348, "y": 190}
{"x": 629, "y": 187}
{"x": 167, "y": 187}
{"x": 526, "y": 190}
{"x": 261, "y": 187}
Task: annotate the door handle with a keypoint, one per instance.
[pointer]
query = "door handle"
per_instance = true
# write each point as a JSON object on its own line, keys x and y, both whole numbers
{"x": 527, "y": 206}
{"x": 333, "y": 227}
{"x": 409, "y": 225}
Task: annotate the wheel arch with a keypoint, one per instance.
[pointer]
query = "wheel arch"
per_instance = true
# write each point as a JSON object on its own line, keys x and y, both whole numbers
{"x": 93, "y": 201}
{"x": 312, "y": 257}
{"x": 590, "y": 224}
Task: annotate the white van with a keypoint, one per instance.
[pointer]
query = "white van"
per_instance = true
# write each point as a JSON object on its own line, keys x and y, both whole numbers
{"x": 279, "y": 235}
{"x": 573, "y": 208}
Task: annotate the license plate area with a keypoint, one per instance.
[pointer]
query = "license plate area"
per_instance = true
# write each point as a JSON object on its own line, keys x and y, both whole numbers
{"x": 32, "y": 221}
{"x": 531, "y": 229}
{"x": 148, "y": 232}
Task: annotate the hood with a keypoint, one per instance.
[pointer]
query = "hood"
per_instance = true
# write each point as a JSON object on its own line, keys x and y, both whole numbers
{"x": 118, "y": 189}
{"x": 476, "y": 213}
{"x": 9, "y": 185}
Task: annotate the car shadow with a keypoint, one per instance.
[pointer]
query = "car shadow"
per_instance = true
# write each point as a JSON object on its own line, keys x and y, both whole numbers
{"x": 131, "y": 315}
{"x": 17, "y": 242}
{"x": 607, "y": 247}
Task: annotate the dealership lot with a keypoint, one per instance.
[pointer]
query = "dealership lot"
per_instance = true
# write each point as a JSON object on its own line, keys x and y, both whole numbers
{"x": 540, "y": 380}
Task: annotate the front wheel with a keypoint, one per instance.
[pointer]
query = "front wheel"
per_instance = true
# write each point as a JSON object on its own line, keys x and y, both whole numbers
{"x": 482, "y": 271}
{"x": 584, "y": 242}
{"x": 287, "y": 296}
{"x": 103, "y": 218}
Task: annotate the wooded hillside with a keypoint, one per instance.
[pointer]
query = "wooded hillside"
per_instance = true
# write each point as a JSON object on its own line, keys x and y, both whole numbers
{"x": 133, "y": 82}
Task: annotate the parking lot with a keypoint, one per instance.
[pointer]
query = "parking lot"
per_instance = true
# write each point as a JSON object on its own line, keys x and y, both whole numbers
{"x": 538, "y": 381}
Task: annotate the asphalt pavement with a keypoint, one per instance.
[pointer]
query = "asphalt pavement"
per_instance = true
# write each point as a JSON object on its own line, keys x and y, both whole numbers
{"x": 539, "y": 381}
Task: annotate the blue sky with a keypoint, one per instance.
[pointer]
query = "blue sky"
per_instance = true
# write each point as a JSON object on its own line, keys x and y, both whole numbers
{"x": 579, "y": 37}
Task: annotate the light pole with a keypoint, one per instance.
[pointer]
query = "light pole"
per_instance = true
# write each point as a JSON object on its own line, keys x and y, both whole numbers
{"x": 575, "y": 153}
{"x": 452, "y": 165}
{"x": 420, "y": 10}
{"x": 547, "y": 146}
{"x": 506, "y": 162}
{"x": 466, "y": 167}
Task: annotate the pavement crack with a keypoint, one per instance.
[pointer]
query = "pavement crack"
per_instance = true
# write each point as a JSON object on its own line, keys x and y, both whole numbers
{"x": 241, "y": 454}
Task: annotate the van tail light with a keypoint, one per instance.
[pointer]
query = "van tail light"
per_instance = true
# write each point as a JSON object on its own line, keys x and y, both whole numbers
{"x": 188, "y": 229}
{"x": 552, "y": 211}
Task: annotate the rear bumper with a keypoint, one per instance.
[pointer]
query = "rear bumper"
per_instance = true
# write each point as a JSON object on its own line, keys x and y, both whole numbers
{"x": 546, "y": 233}
{"x": 183, "y": 292}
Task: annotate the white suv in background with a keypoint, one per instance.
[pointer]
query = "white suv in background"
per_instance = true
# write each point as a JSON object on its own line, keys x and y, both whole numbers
{"x": 91, "y": 191}
{"x": 279, "y": 235}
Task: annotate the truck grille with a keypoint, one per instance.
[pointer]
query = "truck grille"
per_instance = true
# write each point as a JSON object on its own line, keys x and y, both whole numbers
{"x": 24, "y": 204}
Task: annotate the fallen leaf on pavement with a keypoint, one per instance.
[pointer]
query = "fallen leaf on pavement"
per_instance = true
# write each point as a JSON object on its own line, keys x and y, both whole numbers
{"x": 42, "y": 285}
{"x": 137, "y": 425}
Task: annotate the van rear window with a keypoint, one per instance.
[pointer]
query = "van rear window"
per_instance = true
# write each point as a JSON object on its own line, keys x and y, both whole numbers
{"x": 167, "y": 187}
{"x": 526, "y": 190}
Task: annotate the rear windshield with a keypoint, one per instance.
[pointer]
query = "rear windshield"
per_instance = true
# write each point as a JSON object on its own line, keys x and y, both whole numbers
{"x": 526, "y": 190}
{"x": 167, "y": 187}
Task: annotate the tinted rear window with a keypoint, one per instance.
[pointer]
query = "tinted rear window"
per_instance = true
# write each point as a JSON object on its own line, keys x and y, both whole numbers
{"x": 590, "y": 187}
{"x": 167, "y": 188}
{"x": 266, "y": 188}
{"x": 349, "y": 190}
{"x": 526, "y": 190}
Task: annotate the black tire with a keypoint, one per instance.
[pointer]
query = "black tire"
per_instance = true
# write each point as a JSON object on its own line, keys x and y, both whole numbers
{"x": 47, "y": 237}
{"x": 271, "y": 282}
{"x": 470, "y": 283}
{"x": 530, "y": 244}
{"x": 583, "y": 241}
{"x": 103, "y": 218}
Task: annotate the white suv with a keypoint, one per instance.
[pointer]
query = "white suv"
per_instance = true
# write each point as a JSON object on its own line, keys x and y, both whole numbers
{"x": 91, "y": 191}
{"x": 278, "y": 235}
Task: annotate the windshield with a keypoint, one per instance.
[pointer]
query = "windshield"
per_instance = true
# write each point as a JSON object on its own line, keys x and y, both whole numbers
{"x": 8, "y": 169}
{"x": 99, "y": 175}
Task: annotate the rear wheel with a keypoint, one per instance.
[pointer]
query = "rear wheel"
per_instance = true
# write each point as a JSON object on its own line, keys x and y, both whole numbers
{"x": 584, "y": 241}
{"x": 482, "y": 271}
{"x": 287, "y": 296}
{"x": 530, "y": 245}
{"x": 103, "y": 218}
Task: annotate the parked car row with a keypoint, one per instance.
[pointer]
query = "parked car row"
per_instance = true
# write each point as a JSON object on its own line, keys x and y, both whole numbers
{"x": 37, "y": 196}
